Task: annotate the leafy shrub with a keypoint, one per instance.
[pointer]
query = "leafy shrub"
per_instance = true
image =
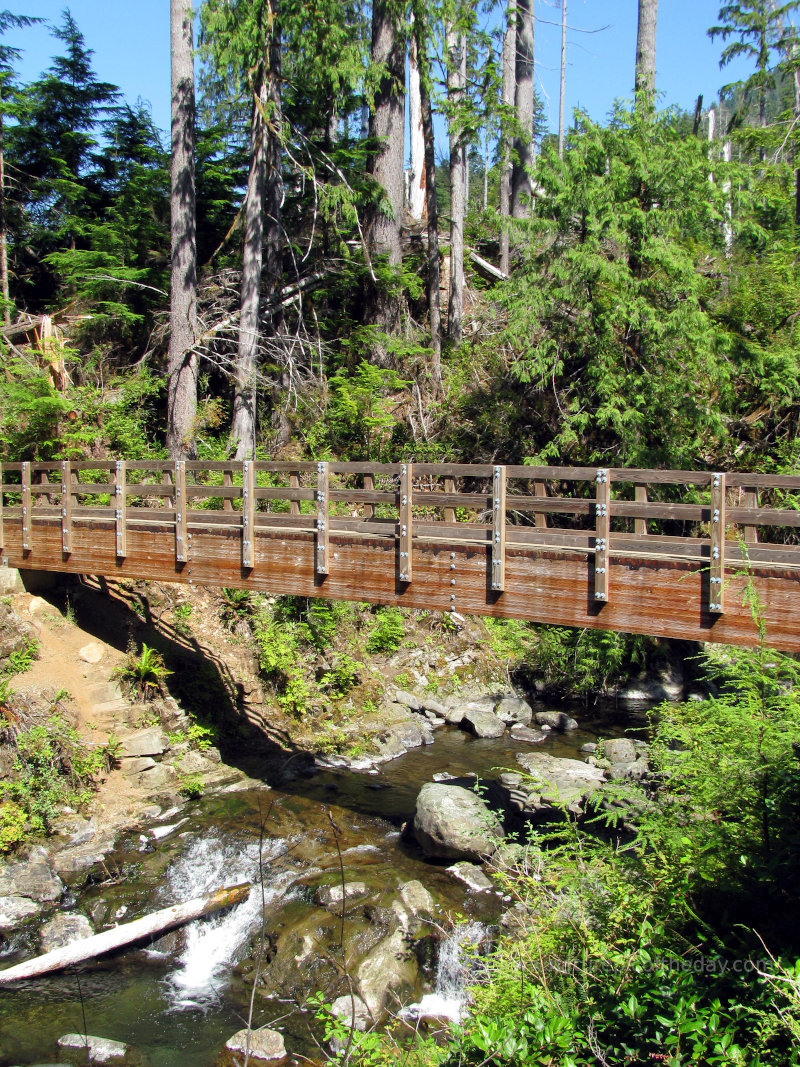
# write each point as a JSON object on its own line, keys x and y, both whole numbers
{"x": 21, "y": 659}
{"x": 386, "y": 630}
{"x": 144, "y": 674}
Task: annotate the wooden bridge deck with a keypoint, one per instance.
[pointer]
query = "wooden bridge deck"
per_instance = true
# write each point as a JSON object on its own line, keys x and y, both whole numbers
{"x": 668, "y": 553}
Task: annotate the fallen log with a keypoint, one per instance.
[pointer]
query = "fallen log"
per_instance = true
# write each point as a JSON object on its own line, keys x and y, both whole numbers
{"x": 118, "y": 936}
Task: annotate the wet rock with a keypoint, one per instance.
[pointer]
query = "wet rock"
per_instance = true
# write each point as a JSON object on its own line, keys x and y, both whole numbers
{"x": 434, "y": 707}
{"x": 471, "y": 875}
{"x": 559, "y": 782}
{"x": 454, "y": 823}
{"x": 525, "y": 733}
{"x": 14, "y": 911}
{"x": 32, "y": 878}
{"x": 74, "y": 865}
{"x": 556, "y": 720}
{"x": 417, "y": 899}
{"x": 150, "y": 742}
{"x": 388, "y": 975}
{"x": 353, "y": 1012}
{"x": 91, "y": 653}
{"x": 80, "y": 1048}
{"x": 482, "y": 722}
{"x": 459, "y": 708}
{"x": 63, "y": 929}
{"x": 264, "y": 1045}
{"x": 331, "y": 896}
{"x": 619, "y": 750}
{"x": 589, "y": 748}
{"x": 632, "y": 771}
{"x": 513, "y": 709}
{"x": 77, "y": 829}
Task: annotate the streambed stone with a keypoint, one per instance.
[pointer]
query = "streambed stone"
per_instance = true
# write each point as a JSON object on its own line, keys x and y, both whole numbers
{"x": 527, "y": 734}
{"x": 482, "y": 722}
{"x": 78, "y": 1048}
{"x": 471, "y": 875}
{"x": 558, "y": 782}
{"x": 513, "y": 709}
{"x": 556, "y": 720}
{"x": 388, "y": 975}
{"x": 453, "y": 823}
{"x": 331, "y": 896}
{"x": 619, "y": 750}
{"x": 63, "y": 929}
{"x": 264, "y": 1045}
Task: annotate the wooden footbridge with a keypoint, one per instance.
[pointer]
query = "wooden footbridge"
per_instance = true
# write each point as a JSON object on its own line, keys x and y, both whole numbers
{"x": 668, "y": 553}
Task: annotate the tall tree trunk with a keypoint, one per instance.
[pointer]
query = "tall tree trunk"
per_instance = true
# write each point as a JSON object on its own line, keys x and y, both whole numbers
{"x": 182, "y": 360}
{"x": 563, "y": 79}
{"x": 486, "y": 167}
{"x": 243, "y": 427}
{"x": 434, "y": 272}
{"x": 385, "y": 164}
{"x": 416, "y": 185}
{"x": 509, "y": 52}
{"x": 521, "y": 189}
{"x": 456, "y": 64}
{"x": 645, "y": 85}
{"x": 274, "y": 236}
{"x": 4, "y": 233}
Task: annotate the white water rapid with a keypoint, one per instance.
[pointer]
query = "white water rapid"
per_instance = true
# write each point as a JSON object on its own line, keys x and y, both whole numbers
{"x": 454, "y": 968}
{"x": 213, "y": 945}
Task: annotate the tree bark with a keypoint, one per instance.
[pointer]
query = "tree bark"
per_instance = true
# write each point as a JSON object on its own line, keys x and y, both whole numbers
{"x": 521, "y": 190}
{"x": 645, "y": 84}
{"x": 118, "y": 936}
{"x": 385, "y": 164}
{"x": 456, "y": 79}
{"x": 182, "y": 360}
{"x": 434, "y": 271}
{"x": 3, "y": 233}
{"x": 509, "y": 52}
{"x": 416, "y": 184}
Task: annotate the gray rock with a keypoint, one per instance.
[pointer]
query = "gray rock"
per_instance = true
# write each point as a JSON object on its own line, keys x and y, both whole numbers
{"x": 63, "y": 929}
{"x": 471, "y": 875}
{"x": 434, "y": 707}
{"x": 525, "y": 733}
{"x": 73, "y": 865}
{"x": 457, "y": 709}
{"x": 264, "y": 1045}
{"x": 513, "y": 709}
{"x": 556, "y": 720}
{"x": 631, "y": 771}
{"x": 14, "y": 911}
{"x": 100, "y": 1049}
{"x": 560, "y": 782}
{"x": 91, "y": 653}
{"x": 331, "y": 896}
{"x": 32, "y": 878}
{"x": 482, "y": 722}
{"x": 159, "y": 777}
{"x": 195, "y": 763}
{"x": 417, "y": 899}
{"x": 360, "y": 1018}
{"x": 589, "y": 748}
{"x": 454, "y": 823}
{"x": 388, "y": 975}
{"x": 137, "y": 764}
{"x": 619, "y": 750}
{"x": 150, "y": 742}
{"x": 408, "y": 700}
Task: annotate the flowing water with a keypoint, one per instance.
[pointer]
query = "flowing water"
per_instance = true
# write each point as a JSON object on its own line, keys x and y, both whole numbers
{"x": 179, "y": 1000}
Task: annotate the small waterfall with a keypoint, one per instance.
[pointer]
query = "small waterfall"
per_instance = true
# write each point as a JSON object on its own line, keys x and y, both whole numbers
{"x": 453, "y": 971}
{"x": 213, "y": 945}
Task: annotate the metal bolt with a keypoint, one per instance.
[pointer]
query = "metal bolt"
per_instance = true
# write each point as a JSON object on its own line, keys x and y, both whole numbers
{"x": 452, "y": 555}
{"x": 601, "y": 570}
{"x": 403, "y": 530}
{"x": 716, "y": 481}
{"x": 599, "y": 596}
{"x": 716, "y": 515}
{"x": 452, "y": 581}
{"x": 405, "y": 500}
{"x": 452, "y": 596}
{"x": 715, "y": 554}
{"x": 452, "y": 566}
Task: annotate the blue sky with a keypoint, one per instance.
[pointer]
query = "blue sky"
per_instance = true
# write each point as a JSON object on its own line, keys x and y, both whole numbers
{"x": 131, "y": 45}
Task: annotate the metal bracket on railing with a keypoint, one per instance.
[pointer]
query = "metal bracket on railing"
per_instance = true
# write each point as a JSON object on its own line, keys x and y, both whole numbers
{"x": 716, "y": 580}
{"x": 498, "y": 576}
{"x": 602, "y": 536}
{"x": 322, "y": 535}
{"x": 405, "y": 520}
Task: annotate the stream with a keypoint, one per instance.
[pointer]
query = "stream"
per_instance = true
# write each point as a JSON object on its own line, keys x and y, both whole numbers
{"x": 178, "y": 1001}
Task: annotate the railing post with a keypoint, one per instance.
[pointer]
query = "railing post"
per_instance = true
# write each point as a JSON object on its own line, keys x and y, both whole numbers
{"x": 369, "y": 484}
{"x": 498, "y": 580}
{"x": 248, "y": 512}
{"x": 640, "y": 525}
{"x": 751, "y": 532}
{"x": 26, "y": 507}
{"x": 121, "y": 508}
{"x": 602, "y": 535}
{"x": 450, "y": 487}
{"x": 227, "y": 482}
{"x": 716, "y": 589}
{"x": 66, "y": 507}
{"x": 405, "y": 518}
{"x": 540, "y": 517}
{"x": 294, "y": 483}
{"x": 322, "y": 537}
{"x": 180, "y": 511}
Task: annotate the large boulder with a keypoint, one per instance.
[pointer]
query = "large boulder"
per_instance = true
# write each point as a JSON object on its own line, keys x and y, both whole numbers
{"x": 388, "y": 975}
{"x": 264, "y": 1046}
{"x": 454, "y": 823}
{"x": 556, "y": 720}
{"x": 150, "y": 742}
{"x": 557, "y": 782}
{"x": 513, "y": 709}
{"x": 63, "y": 929}
{"x": 14, "y": 911}
{"x": 482, "y": 722}
{"x": 31, "y": 878}
{"x": 619, "y": 750}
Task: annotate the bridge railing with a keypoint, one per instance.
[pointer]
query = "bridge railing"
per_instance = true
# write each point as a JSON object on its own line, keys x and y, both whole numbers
{"x": 719, "y": 519}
